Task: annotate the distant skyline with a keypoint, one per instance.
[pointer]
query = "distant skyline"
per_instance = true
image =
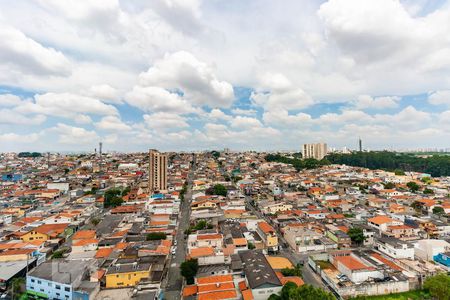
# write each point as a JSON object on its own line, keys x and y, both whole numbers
{"x": 247, "y": 75}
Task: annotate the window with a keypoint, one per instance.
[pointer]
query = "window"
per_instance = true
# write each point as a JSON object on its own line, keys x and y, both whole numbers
{"x": 57, "y": 294}
{"x": 32, "y": 280}
{"x": 39, "y": 282}
{"x": 58, "y": 287}
{"x": 49, "y": 284}
{"x": 42, "y": 290}
{"x": 67, "y": 289}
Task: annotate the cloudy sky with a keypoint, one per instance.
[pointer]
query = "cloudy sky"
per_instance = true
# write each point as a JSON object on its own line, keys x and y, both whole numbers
{"x": 193, "y": 74}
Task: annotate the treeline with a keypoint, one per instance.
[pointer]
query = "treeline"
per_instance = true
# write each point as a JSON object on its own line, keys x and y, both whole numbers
{"x": 298, "y": 164}
{"x": 436, "y": 165}
{"x": 29, "y": 154}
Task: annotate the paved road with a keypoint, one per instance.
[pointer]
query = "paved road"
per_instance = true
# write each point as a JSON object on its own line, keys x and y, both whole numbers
{"x": 174, "y": 281}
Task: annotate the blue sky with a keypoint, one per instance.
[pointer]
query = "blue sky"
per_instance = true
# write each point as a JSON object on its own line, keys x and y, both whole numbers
{"x": 247, "y": 75}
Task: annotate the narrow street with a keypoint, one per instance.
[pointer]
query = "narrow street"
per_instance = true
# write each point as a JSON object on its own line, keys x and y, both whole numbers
{"x": 174, "y": 280}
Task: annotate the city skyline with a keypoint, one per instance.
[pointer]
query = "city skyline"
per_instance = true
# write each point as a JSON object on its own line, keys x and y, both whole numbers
{"x": 254, "y": 75}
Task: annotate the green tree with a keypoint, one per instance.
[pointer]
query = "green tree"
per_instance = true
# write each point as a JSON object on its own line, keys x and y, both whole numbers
{"x": 413, "y": 187}
{"x": 428, "y": 191}
{"x": 291, "y": 291}
{"x": 113, "y": 198}
{"x": 356, "y": 234}
{"x": 295, "y": 271}
{"x": 251, "y": 246}
{"x": 389, "y": 185}
{"x": 17, "y": 285}
{"x": 438, "y": 210}
{"x": 218, "y": 190}
{"x": 153, "y": 236}
{"x": 95, "y": 221}
{"x": 438, "y": 286}
{"x": 189, "y": 269}
{"x": 399, "y": 172}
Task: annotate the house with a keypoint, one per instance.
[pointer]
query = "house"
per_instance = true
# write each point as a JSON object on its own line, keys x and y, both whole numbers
{"x": 207, "y": 256}
{"x": 44, "y": 232}
{"x": 269, "y": 236}
{"x": 84, "y": 245}
{"x": 126, "y": 273}
{"x": 395, "y": 248}
{"x": 353, "y": 267}
{"x": 62, "y": 279}
{"x": 259, "y": 275}
{"x": 381, "y": 222}
{"x": 216, "y": 287}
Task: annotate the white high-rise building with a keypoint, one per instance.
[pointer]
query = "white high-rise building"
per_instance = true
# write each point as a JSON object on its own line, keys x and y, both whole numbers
{"x": 317, "y": 151}
{"x": 157, "y": 171}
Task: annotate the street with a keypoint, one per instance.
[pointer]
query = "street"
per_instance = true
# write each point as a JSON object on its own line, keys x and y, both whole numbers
{"x": 174, "y": 281}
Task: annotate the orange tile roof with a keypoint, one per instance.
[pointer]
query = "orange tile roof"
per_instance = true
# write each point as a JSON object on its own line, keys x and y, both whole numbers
{"x": 189, "y": 290}
{"x": 214, "y": 279}
{"x": 219, "y": 295}
{"x": 380, "y": 220}
{"x": 17, "y": 252}
{"x": 386, "y": 261}
{"x": 103, "y": 252}
{"x": 266, "y": 228}
{"x": 119, "y": 233}
{"x": 352, "y": 263}
{"x": 240, "y": 241}
{"x": 201, "y": 251}
{"x": 214, "y": 236}
{"x": 84, "y": 242}
{"x": 247, "y": 295}
{"x": 121, "y": 245}
{"x": 242, "y": 285}
{"x": 84, "y": 234}
{"x": 52, "y": 230}
{"x": 295, "y": 279}
{"x": 215, "y": 286}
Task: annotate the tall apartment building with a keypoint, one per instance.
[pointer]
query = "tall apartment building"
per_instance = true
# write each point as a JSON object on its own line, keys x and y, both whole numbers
{"x": 317, "y": 151}
{"x": 157, "y": 171}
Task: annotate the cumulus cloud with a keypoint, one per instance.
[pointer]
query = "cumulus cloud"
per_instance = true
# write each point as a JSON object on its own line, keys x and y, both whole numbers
{"x": 10, "y": 100}
{"x": 156, "y": 99}
{"x": 369, "y": 102}
{"x": 439, "y": 97}
{"x": 74, "y": 135}
{"x": 9, "y": 116}
{"x": 66, "y": 105}
{"x": 195, "y": 79}
{"x": 28, "y": 56}
{"x": 112, "y": 123}
{"x": 165, "y": 121}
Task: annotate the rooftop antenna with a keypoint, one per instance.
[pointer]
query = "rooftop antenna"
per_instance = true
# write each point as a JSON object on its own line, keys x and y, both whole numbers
{"x": 360, "y": 144}
{"x": 48, "y": 160}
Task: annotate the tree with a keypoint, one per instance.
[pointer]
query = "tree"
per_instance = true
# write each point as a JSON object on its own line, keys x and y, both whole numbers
{"x": 291, "y": 291}
{"x": 428, "y": 191}
{"x": 356, "y": 234}
{"x": 389, "y": 185}
{"x": 218, "y": 190}
{"x": 438, "y": 286}
{"x": 112, "y": 198}
{"x": 413, "y": 187}
{"x": 154, "y": 236}
{"x": 438, "y": 210}
{"x": 251, "y": 245}
{"x": 17, "y": 285}
{"x": 189, "y": 269}
{"x": 296, "y": 271}
{"x": 399, "y": 172}
{"x": 95, "y": 221}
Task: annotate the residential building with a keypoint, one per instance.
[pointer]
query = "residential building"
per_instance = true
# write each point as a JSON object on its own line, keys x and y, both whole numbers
{"x": 157, "y": 173}
{"x": 316, "y": 151}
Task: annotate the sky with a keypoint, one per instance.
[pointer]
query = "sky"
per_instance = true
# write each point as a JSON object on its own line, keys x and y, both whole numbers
{"x": 246, "y": 75}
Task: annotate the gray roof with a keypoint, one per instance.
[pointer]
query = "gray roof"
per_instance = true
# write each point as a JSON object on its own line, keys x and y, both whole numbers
{"x": 62, "y": 271}
{"x": 9, "y": 269}
{"x": 258, "y": 270}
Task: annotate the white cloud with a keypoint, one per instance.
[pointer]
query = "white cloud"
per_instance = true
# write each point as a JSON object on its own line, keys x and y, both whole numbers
{"x": 243, "y": 123}
{"x": 217, "y": 114}
{"x": 74, "y": 135}
{"x": 369, "y": 102}
{"x": 105, "y": 92}
{"x": 439, "y": 97}
{"x": 9, "y": 100}
{"x": 66, "y": 105}
{"x": 25, "y": 55}
{"x": 8, "y": 116}
{"x": 8, "y": 139}
{"x": 165, "y": 121}
{"x": 197, "y": 81}
{"x": 112, "y": 123}
{"x": 243, "y": 112}
{"x": 156, "y": 99}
